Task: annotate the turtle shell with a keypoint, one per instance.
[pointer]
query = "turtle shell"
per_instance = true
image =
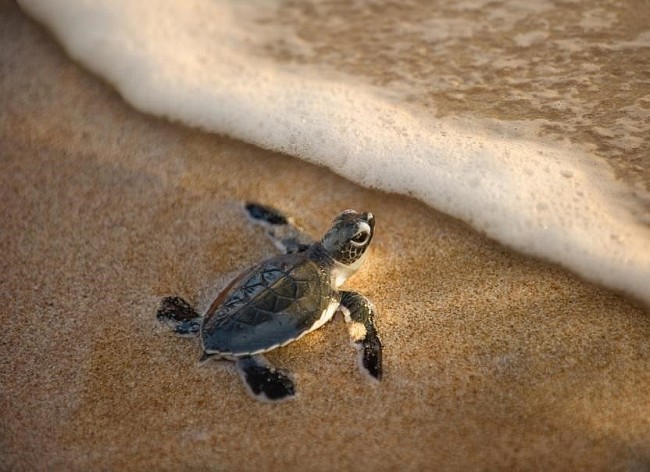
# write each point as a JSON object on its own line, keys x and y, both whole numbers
{"x": 268, "y": 306}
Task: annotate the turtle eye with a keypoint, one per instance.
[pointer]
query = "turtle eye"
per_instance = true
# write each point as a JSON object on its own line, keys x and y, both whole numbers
{"x": 361, "y": 237}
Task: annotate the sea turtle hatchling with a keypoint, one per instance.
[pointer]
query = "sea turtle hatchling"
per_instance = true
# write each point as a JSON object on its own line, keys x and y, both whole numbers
{"x": 283, "y": 298}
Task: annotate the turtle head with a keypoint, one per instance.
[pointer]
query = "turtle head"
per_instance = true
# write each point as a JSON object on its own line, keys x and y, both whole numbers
{"x": 349, "y": 237}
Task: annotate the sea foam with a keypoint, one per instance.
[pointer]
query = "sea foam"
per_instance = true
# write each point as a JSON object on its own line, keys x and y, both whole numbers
{"x": 198, "y": 62}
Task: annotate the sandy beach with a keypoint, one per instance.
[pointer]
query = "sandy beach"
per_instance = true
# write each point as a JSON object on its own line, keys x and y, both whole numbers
{"x": 493, "y": 361}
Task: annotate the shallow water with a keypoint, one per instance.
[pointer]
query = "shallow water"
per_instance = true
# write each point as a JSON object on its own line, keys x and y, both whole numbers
{"x": 528, "y": 120}
{"x": 577, "y": 70}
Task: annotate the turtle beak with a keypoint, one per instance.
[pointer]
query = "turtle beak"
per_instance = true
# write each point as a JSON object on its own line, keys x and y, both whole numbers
{"x": 370, "y": 219}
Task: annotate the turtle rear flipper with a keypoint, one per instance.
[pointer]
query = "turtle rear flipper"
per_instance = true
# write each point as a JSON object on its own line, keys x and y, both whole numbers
{"x": 284, "y": 234}
{"x": 264, "y": 381}
{"x": 360, "y": 315}
{"x": 179, "y": 315}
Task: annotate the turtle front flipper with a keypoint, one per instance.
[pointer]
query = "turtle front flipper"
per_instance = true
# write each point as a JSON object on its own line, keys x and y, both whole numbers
{"x": 282, "y": 231}
{"x": 264, "y": 381}
{"x": 179, "y": 316}
{"x": 360, "y": 316}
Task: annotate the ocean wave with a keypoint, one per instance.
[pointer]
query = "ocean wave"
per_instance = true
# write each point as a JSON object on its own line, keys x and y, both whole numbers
{"x": 199, "y": 62}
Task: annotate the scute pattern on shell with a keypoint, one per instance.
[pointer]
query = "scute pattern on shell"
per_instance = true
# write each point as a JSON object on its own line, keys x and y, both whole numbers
{"x": 270, "y": 306}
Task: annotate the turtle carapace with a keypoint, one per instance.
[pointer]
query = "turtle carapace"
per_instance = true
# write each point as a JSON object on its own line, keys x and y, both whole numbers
{"x": 283, "y": 298}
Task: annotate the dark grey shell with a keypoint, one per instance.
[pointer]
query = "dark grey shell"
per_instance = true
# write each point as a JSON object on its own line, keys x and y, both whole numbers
{"x": 268, "y": 306}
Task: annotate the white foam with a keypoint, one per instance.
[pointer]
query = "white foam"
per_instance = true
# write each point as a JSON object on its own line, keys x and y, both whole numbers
{"x": 193, "y": 61}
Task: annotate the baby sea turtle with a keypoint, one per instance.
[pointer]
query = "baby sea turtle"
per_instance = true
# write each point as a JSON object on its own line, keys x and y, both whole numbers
{"x": 283, "y": 298}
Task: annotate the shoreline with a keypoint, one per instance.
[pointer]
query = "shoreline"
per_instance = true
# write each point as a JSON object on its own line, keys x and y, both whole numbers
{"x": 539, "y": 198}
{"x": 493, "y": 360}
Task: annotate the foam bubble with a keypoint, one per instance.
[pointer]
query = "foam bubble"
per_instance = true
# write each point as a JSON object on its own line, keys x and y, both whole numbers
{"x": 193, "y": 61}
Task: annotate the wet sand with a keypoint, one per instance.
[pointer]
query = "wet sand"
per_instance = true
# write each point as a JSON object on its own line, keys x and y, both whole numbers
{"x": 492, "y": 360}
